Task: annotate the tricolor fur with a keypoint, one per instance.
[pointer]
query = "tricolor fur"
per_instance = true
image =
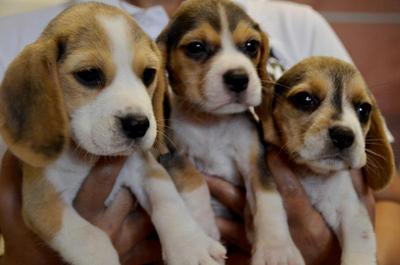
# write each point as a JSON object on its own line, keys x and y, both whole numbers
{"x": 216, "y": 61}
{"x": 324, "y": 117}
{"x": 92, "y": 85}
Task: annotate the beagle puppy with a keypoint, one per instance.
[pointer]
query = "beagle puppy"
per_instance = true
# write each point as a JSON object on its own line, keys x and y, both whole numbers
{"x": 216, "y": 61}
{"x": 92, "y": 85}
{"x": 327, "y": 121}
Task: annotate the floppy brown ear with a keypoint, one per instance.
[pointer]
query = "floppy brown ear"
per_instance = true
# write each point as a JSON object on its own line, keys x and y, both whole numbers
{"x": 33, "y": 122}
{"x": 264, "y": 110}
{"x": 380, "y": 166}
{"x": 262, "y": 63}
{"x": 158, "y": 99}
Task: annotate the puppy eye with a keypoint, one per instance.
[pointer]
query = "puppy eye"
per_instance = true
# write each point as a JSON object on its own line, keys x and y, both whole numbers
{"x": 363, "y": 111}
{"x": 92, "y": 77}
{"x": 148, "y": 76}
{"x": 251, "y": 47}
{"x": 305, "y": 101}
{"x": 196, "y": 50}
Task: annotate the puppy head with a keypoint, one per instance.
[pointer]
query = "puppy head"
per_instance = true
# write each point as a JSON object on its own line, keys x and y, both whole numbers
{"x": 216, "y": 56}
{"x": 324, "y": 117}
{"x": 91, "y": 76}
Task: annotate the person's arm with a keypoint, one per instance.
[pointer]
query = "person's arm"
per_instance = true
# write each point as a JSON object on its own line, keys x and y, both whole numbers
{"x": 311, "y": 234}
{"x": 128, "y": 228}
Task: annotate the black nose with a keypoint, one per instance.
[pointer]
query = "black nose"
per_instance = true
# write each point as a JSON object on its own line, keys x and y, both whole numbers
{"x": 236, "y": 80}
{"x": 341, "y": 137}
{"x": 134, "y": 126}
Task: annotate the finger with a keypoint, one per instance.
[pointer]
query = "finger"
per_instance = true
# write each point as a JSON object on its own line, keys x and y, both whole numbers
{"x": 135, "y": 229}
{"x": 11, "y": 175}
{"x": 121, "y": 206}
{"x": 227, "y": 194}
{"x": 295, "y": 199}
{"x": 113, "y": 217}
{"x": 147, "y": 252}
{"x": 233, "y": 233}
{"x": 10, "y": 189}
{"x": 98, "y": 185}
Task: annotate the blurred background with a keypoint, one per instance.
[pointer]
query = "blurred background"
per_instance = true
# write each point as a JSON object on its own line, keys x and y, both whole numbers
{"x": 370, "y": 29}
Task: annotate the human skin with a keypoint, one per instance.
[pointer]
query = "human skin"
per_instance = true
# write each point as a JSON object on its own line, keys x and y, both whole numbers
{"x": 130, "y": 228}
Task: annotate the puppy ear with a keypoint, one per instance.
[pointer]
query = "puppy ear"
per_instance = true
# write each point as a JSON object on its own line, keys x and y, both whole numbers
{"x": 264, "y": 110}
{"x": 380, "y": 159}
{"x": 262, "y": 63}
{"x": 33, "y": 121}
{"x": 158, "y": 100}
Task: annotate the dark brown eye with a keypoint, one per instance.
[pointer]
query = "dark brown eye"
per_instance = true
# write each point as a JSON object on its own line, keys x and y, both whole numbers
{"x": 148, "y": 76}
{"x": 91, "y": 78}
{"x": 363, "y": 111}
{"x": 251, "y": 47}
{"x": 196, "y": 50}
{"x": 305, "y": 101}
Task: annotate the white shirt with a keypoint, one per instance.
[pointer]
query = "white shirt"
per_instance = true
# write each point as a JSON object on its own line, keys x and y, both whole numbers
{"x": 296, "y": 31}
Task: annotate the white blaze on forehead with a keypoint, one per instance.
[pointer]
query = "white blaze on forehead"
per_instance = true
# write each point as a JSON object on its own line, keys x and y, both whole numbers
{"x": 119, "y": 39}
{"x": 226, "y": 35}
{"x": 218, "y": 97}
{"x": 96, "y": 126}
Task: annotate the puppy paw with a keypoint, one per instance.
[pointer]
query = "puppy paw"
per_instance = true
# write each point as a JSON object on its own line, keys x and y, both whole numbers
{"x": 359, "y": 260}
{"x": 194, "y": 249}
{"x": 276, "y": 254}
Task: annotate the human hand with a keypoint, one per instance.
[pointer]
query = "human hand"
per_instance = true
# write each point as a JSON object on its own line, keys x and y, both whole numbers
{"x": 128, "y": 229}
{"x": 311, "y": 234}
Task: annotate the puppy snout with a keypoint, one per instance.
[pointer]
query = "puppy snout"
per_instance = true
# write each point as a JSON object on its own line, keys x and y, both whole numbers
{"x": 341, "y": 137}
{"x": 236, "y": 80}
{"x": 134, "y": 126}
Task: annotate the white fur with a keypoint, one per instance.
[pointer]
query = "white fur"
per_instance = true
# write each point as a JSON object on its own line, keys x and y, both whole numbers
{"x": 340, "y": 206}
{"x": 198, "y": 201}
{"x": 95, "y": 126}
{"x": 218, "y": 98}
{"x": 272, "y": 240}
{"x": 319, "y": 145}
{"x": 79, "y": 242}
{"x": 95, "y": 129}
{"x": 226, "y": 148}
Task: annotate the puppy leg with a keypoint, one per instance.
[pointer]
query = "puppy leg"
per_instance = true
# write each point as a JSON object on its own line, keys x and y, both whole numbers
{"x": 272, "y": 243}
{"x": 195, "y": 193}
{"x": 57, "y": 223}
{"x": 349, "y": 218}
{"x": 183, "y": 241}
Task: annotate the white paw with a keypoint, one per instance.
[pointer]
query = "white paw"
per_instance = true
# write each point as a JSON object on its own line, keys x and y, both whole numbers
{"x": 194, "y": 248}
{"x": 276, "y": 254}
{"x": 359, "y": 260}
{"x": 208, "y": 225}
{"x": 91, "y": 247}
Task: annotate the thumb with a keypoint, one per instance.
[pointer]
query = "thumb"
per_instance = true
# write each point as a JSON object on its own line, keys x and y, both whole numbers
{"x": 294, "y": 197}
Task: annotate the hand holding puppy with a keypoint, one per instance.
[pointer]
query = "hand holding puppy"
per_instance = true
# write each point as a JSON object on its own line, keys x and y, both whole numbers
{"x": 313, "y": 237}
{"x": 127, "y": 226}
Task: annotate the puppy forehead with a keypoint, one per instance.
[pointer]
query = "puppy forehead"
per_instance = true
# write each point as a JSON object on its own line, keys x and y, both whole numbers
{"x": 95, "y": 27}
{"x": 207, "y": 14}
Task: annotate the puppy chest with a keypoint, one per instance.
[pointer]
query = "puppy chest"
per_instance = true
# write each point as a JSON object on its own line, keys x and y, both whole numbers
{"x": 217, "y": 150}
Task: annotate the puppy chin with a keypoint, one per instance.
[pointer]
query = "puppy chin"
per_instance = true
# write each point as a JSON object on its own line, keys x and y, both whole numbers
{"x": 333, "y": 164}
{"x": 231, "y": 108}
{"x": 328, "y": 165}
{"x": 118, "y": 146}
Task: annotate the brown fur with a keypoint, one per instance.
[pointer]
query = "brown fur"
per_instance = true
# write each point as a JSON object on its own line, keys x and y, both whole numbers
{"x": 34, "y": 110}
{"x": 187, "y": 76}
{"x": 288, "y": 127}
{"x": 39, "y": 92}
{"x": 42, "y": 206}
